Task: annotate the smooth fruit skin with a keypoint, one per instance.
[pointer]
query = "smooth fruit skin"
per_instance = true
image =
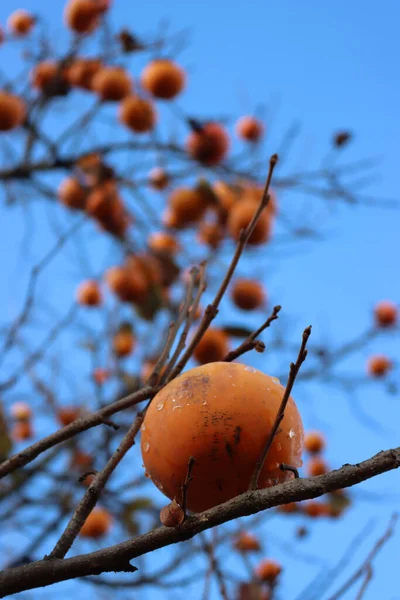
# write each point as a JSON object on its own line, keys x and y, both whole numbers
{"x": 240, "y": 218}
{"x": 213, "y": 346}
{"x": 12, "y": 111}
{"x": 97, "y": 523}
{"x": 248, "y": 294}
{"x": 82, "y": 16}
{"x": 112, "y": 84}
{"x": 163, "y": 79}
{"x": 314, "y": 442}
{"x": 220, "y": 413}
{"x": 20, "y": 22}
{"x": 379, "y": 365}
{"x": 386, "y": 313}
{"x": 137, "y": 114}
{"x": 72, "y": 194}
{"x": 249, "y": 128}
{"x": 209, "y": 145}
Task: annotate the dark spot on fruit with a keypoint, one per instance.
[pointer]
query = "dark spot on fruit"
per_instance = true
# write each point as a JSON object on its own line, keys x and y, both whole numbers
{"x": 237, "y": 434}
{"x": 229, "y": 450}
{"x": 219, "y": 485}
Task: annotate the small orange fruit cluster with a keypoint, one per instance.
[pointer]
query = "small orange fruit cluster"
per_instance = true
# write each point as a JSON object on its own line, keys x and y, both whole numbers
{"x": 22, "y": 427}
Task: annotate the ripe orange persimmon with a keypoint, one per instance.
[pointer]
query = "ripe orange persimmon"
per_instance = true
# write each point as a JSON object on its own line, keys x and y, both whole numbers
{"x": 161, "y": 241}
{"x": 82, "y": 71}
{"x": 137, "y": 114}
{"x": 313, "y": 508}
{"x": 82, "y": 16}
{"x": 379, "y": 365}
{"x": 268, "y": 570}
{"x": 45, "y": 74}
{"x": 213, "y": 346}
{"x": 81, "y": 460}
{"x": 241, "y": 216}
{"x": 72, "y": 194}
{"x": 20, "y": 22}
{"x": 101, "y": 200}
{"x": 289, "y": 508}
{"x": 386, "y": 313}
{"x": 12, "y": 111}
{"x": 101, "y": 375}
{"x": 248, "y": 294}
{"x": 317, "y": 466}
{"x": 158, "y": 178}
{"x": 97, "y": 524}
{"x": 249, "y": 128}
{"x": 22, "y": 430}
{"x": 123, "y": 343}
{"x": 209, "y": 144}
{"x": 163, "y": 78}
{"x": 314, "y": 442}
{"x": 220, "y": 414}
{"x": 227, "y": 194}
{"x": 210, "y": 233}
{"x": 247, "y": 542}
{"x": 68, "y": 415}
{"x": 127, "y": 284}
{"x": 89, "y": 293}
{"x": 112, "y": 84}
{"x": 251, "y": 192}
{"x": 187, "y": 205}
{"x": 21, "y": 411}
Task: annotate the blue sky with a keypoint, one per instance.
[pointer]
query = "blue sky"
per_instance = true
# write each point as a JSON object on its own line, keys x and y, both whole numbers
{"x": 327, "y": 67}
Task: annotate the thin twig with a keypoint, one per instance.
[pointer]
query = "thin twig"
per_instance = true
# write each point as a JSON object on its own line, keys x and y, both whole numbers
{"x": 212, "y": 309}
{"x": 251, "y": 342}
{"x": 368, "y": 560}
{"x": 187, "y": 481}
{"x": 294, "y": 369}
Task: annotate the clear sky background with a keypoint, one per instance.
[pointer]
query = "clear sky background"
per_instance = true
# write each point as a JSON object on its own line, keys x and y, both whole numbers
{"x": 328, "y": 66}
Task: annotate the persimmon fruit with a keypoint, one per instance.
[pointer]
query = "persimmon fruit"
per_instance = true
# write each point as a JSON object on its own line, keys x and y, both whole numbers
{"x": 12, "y": 111}
{"x": 158, "y": 178}
{"x": 89, "y": 293}
{"x": 22, "y": 430}
{"x": 21, "y": 411}
{"x": 123, "y": 343}
{"x": 72, "y": 194}
{"x": 138, "y": 114}
{"x": 97, "y": 524}
{"x": 249, "y": 128}
{"x": 221, "y": 414}
{"x": 20, "y": 22}
{"x": 68, "y": 415}
{"x": 379, "y": 365}
{"x": 213, "y": 346}
{"x": 127, "y": 284}
{"x": 82, "y": 16}
{"x": 240, "y": 218}
{"x": 187, "y": 205}
{"x": 314, "y": 442}
{"x": 81, "y": 72}
{"x": 247, "y": 542}
{"x": 386, "y": 313}
{"x": 317, "y": 466}
{"x": 248, "y": 294}
{"x": 163, "y": 78}
{"x": 268, "y": 570}
{"x": 112, "y": 84}
{"x": 208, "y": 144}
{"x": 162, "y": 241}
